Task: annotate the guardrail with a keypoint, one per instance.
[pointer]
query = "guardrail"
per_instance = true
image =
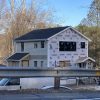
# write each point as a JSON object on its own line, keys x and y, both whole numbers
{"x": 47, "y": 72}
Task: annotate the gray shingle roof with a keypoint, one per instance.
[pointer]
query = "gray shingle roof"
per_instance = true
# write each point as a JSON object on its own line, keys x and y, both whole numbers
{"x": 17, "y": 56}
{"x": 41, "y": 33}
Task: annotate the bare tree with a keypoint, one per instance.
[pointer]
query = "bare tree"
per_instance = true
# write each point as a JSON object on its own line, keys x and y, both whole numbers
{"x": 20, "y": 18}
{"x": 91, "y": 26}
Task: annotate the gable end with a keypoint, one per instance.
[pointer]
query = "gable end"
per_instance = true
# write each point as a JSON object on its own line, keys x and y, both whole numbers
{"x": 73, "y": 30}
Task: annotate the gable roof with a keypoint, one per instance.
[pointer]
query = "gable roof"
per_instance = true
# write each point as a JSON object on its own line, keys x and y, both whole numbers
{"x": 83, "y": 59}
{"x": 17, "y": 56}
{"x": 45, "y": 34}
{"x": 41, "y": 34}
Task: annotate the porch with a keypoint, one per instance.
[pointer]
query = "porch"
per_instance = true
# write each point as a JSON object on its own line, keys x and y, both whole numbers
{"x": 18, "y": 59}
{"x": 85, "y": 63}
{"x": 81, "y": 63}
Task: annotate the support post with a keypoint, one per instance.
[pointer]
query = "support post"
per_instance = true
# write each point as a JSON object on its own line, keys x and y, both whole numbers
{"x": 98, "y": 80}
{"x": 56, "y": 82}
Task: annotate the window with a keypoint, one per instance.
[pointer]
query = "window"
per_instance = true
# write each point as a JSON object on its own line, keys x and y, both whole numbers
{"x": 67, "y": 46}
{"x": 22, "y": 46}
{"x": 82, "y": 65}
{"x": 35, "y": 63}
{"x": 83, "y": 45}
{"x": 15, "y": 81}
{"x": 35, "y": 45}
{"x": 42, "y": 44}
{"x": 41, "y": 63}
{"x": 50, "y": 46}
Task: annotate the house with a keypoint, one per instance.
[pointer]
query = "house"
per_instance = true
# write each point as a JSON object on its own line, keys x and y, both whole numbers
{"x": 52, "y": 47}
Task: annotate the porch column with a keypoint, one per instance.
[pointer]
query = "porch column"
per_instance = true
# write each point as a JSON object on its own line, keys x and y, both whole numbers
{"x": 20, "y": 64}
{"x": 56, "y": 82}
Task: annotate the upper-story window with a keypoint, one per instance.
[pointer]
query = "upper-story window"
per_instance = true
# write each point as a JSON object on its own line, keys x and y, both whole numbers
{"x": 83, "y": 45}
{"x": 35, "y": 45}
{"x": 67, "y": 46}
{"x": 42, "y": 44}
{"x": 22, "y": 46}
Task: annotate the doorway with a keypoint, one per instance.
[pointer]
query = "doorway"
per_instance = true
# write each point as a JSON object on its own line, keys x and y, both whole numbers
{"x": 64, "y": 63}
{"x": 25, "y": 63}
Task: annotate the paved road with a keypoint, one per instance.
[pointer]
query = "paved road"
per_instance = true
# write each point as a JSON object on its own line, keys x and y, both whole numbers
{"x": 53, "y": 96}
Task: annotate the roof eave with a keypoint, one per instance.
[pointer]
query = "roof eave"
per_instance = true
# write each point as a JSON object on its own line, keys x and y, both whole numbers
{"x": 74, "y": 30}
{"x": 30, "y": 40}
{"x": 16, "y": 60}
{"x": 82, "y": 34}
{"x": 88, "y": 58}
{"x": 12, "y": 60}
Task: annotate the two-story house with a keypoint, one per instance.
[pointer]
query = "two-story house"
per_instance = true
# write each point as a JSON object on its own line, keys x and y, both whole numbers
{"x": 52, "y": 47}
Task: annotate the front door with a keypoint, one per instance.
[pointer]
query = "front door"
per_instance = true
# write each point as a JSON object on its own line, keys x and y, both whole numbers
{"x": 25, "y": 63}
{"x": 64, "y": 63}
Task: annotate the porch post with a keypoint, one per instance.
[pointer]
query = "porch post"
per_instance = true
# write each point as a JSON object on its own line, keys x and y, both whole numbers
{"x": 20, "y": 63}
{"x": 56, "y": 82}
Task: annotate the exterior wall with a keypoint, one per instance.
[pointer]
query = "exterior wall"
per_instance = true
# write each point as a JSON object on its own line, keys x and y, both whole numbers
{"x": 17, "y": 47}
{"x": 31, "y": 63}
{"x": 14, "y": 64}
{"x": 36, "y": 54}
{"x": 54, "y": 55}
{"x": 29, "y": 47}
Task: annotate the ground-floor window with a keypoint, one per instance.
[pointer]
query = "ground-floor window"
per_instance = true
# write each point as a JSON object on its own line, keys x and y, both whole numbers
{"x": 35, "y": 63}
{"x": 82, "y": 65}
{"x": 42, "y": 63}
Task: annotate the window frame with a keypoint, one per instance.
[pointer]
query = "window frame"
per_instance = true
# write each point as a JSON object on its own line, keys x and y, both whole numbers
{"x": 22, "y": 46}
{"x": 42, "y": 44}
{"x": 35, "y": 63}
{"x": 35, "y": 45}
{"x": 82, "y": 45}
{"x": 42, "y": 63}
{"x": 67, "y": 46}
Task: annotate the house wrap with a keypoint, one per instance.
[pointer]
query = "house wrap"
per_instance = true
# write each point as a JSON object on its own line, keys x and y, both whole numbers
{"x": 52, "y": 47}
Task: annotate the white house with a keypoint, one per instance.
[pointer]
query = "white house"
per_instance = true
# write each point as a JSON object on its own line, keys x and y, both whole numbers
{"x": 52, "y": 47}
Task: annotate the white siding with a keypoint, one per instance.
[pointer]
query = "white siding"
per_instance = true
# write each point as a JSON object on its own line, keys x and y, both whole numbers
{"x": 18, "y": 47}
{"x": 31, "y": 63}
{"x": 29, "y": 48}
{"x": 54, "y": 55}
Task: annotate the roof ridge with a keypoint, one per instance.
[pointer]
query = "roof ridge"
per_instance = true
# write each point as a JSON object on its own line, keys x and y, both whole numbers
{"x": 49, "y": 28}
{"x": 41, "y": 33}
